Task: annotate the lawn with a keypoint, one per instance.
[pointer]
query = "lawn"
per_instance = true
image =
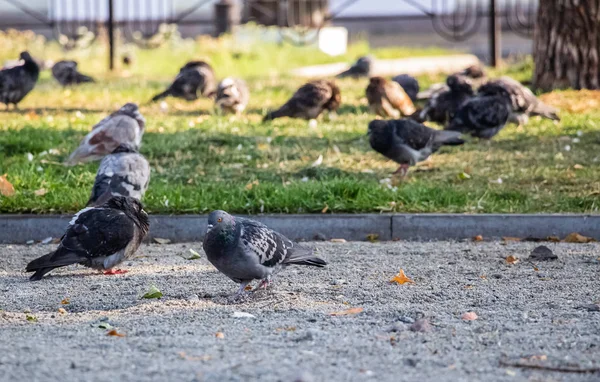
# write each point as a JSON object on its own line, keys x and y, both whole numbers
{"x": 201, "y": 161}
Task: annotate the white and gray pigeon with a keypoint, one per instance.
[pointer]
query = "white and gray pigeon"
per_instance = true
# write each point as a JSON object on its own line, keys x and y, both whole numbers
{"x": 125, "y": 172}
{"x": 361, "y": 68}
{"x": 407, "y": 142}
{"x": 194, "y": 79}
{"x": 98, "y": 237}
{"x": 442, "y": 106}
{"x": 483, "y": 116}
{"x": 18, "y": 81}
{"x": 523, "y": 102}
{"x": 410, "y": 85}
{"x": 246, "y": 250}
{"x": 124, "y": 126}
{"x": 232, "y": 95}
{"x": 65, "y": 72}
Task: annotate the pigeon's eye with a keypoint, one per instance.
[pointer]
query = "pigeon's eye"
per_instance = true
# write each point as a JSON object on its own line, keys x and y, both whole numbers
{"x": 219, "y": 220}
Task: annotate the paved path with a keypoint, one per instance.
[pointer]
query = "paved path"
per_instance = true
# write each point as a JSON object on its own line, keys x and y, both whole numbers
{"x": 523, "y": 314}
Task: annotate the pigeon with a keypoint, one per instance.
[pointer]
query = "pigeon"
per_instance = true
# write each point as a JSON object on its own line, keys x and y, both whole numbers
{"x": 361, "y": 68}
{"x": 98, "y": 237}
{"x": 246, "y": 250}
{"x": 442, "y": 106}
{"x": 474, "y": 75}
{"x": 309, "y": 101}
{"x": 18, "y": 81}
{"x": 388, "y": 99}
{"x": 232, "y": 95}
{"x": 407, "y": 142}
{"x": 194, "y": 79}
{"x": 523, "y": 102}
{"x": 482, "y": 116}
{"x": 409, "y": 84}
{"x": 125, "y": 125}
{"x": 125, "y": 172}
{"x": 65, "y": 72}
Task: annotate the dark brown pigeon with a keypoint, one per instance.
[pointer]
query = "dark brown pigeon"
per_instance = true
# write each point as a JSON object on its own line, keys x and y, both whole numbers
{"x": 309, "y": 101}
{"x": 195, "y": 79}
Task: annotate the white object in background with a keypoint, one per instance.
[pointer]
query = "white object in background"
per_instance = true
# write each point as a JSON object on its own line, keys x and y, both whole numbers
{"x": 333, "y": 40}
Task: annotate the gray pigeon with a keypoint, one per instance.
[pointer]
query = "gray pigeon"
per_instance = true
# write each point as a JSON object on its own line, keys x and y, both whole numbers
{"x": 98, "y": 238}
{"x": 232, "y": 95}
{"x": 65, "y": 72}
{"x": 482, "y": 116}
{"x": 523, "y": 102}
{"x": 409, "y": 84}
{"x": 194, "y": 79}
{"x": 18, "y": 81}
{"x": 361, "y": 68}
{"x": 246, "y": 250}
{"x": 124, "y": 126}
{"x": 442, "y": 106}
{"x": 125, "y": 172}
{"x": 407, "y": 142}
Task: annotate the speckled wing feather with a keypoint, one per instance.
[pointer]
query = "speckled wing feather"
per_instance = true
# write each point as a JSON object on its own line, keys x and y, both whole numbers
{"x": 269, "y": 246}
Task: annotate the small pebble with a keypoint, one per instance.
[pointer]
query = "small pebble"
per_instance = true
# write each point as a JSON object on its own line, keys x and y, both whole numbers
{"x": 422, "y": 325}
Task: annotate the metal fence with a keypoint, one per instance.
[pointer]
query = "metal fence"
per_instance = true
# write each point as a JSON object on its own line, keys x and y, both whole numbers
{"x": 74, "y": 22}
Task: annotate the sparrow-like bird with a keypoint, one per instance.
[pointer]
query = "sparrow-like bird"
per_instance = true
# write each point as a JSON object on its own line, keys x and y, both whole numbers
{"x": 246, "y": 250}
{"x": 65, "y": 72}
{"x": 18, "y": 81}
{"x": 195, "y": 79}
{"x": 361, "y": 68}
{"x": 407, "y": 142}
{"x": 442, "y": 106}
{"x": 388, "y": 99}
{"x": 232, "y": 95}
{"x": 482, "y": 116}
{"x": 523, "y": 102}
{"x": 309, "y": 101}
{"x": 124, "y": 126}
{"x": 124, "y": 172}
{"x": 409, "y": 84}
{"x": 98, "y": 237}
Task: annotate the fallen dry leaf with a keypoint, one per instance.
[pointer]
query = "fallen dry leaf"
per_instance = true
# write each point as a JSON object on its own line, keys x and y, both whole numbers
{"x": 373, "y": 237}
{"x": 6, "y": 188}
{"x": 62, "y": 311}
{"x": 478, "y": 238}
{"x": 508, "y": 238}
{"x": 577, "y": 238}
{"x": 65, "y": 301}
{"x": 161, "y": 240}
{"x": 325, "y": 209}
{"x": 401, "y": 278}
{"x": 114, "y": 333}
{"x": 578, "y": 167}
{"x": 338, "y": 240}
{"x": 553, "y": 239}
{"x": 512, "y": 259}
{"x": 220, "y": 335}
{"x": 469, "y": 316}
{"x": 40, "y": 192}
{"x": 347, "y": 312}
{"x": 250, "y": 185}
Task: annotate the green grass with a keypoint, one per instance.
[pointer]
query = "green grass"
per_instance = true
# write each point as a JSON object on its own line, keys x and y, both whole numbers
{"x": 202, "y": 161}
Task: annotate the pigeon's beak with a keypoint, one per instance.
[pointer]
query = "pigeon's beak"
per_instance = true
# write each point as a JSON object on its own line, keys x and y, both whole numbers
{"x": 210, "y": 227}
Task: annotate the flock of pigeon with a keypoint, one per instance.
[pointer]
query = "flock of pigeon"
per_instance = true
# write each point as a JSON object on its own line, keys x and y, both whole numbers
{"x": 111, "y": 227}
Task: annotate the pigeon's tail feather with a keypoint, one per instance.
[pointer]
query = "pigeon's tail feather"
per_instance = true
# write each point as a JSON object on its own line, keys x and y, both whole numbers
{"x": 81, "y": 78}
{"x": 281, "y": 112}
{"x": 545, "y": 111}
{"x": 305, "y": 257}
{"x": 48, "y": 262}
{"x": 345, "y": 73}
{"x": 450, "y": 138}
{"x": 162, "y": 95}
{"x": 81, "y": 154}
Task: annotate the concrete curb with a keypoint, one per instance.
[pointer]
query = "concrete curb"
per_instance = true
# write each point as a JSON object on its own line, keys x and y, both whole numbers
{"x": 18, "y": 229}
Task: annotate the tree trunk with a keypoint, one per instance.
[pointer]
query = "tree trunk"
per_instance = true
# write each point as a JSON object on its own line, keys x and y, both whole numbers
{"x": 567, "y": 44}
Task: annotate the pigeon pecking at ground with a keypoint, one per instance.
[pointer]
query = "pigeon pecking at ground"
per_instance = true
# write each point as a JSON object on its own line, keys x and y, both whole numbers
{"x": 442, "y": 106}
{"x": 65, "y": 72}
{"x": 246, "y": 250}
{"x": 409, "y": 84}
{"x": 194, "y": 79}
{"x": 482, "y": 116}
{"x": 388, "y": 99}
{"x": 124, "y": 172}
{"x": 310, "y": 101}
{"x": 474, "y": 74}
{"x": 98, "y": 237}
{"x": 18, "y": 81}
{"x": 361, "y": 68}
{"x": 232, "y": 95}
{"x": 407, "y": 142}
{"x": 124, "y": 126}
{"x": 523, "y": 102}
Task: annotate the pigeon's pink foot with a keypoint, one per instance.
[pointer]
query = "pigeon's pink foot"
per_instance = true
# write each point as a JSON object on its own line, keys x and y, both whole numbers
{"x": 115, "y": 272}
{"x": 402, "y": 170}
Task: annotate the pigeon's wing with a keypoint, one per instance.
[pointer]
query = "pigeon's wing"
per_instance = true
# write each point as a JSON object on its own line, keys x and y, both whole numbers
{"x": 414, "y": 134}
{"x": 409, "y": 84}
{"x": 398, "y": 98}
{"x": 270, "y": 247}
{"x": 485, "y": 113}
{"x": 312, "y": 94}
{"x": 186, "y": 84}
{"x": 98, "y": 232}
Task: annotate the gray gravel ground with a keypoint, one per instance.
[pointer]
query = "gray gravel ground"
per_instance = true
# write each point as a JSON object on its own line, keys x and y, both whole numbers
{"x": 524, "y": 315}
